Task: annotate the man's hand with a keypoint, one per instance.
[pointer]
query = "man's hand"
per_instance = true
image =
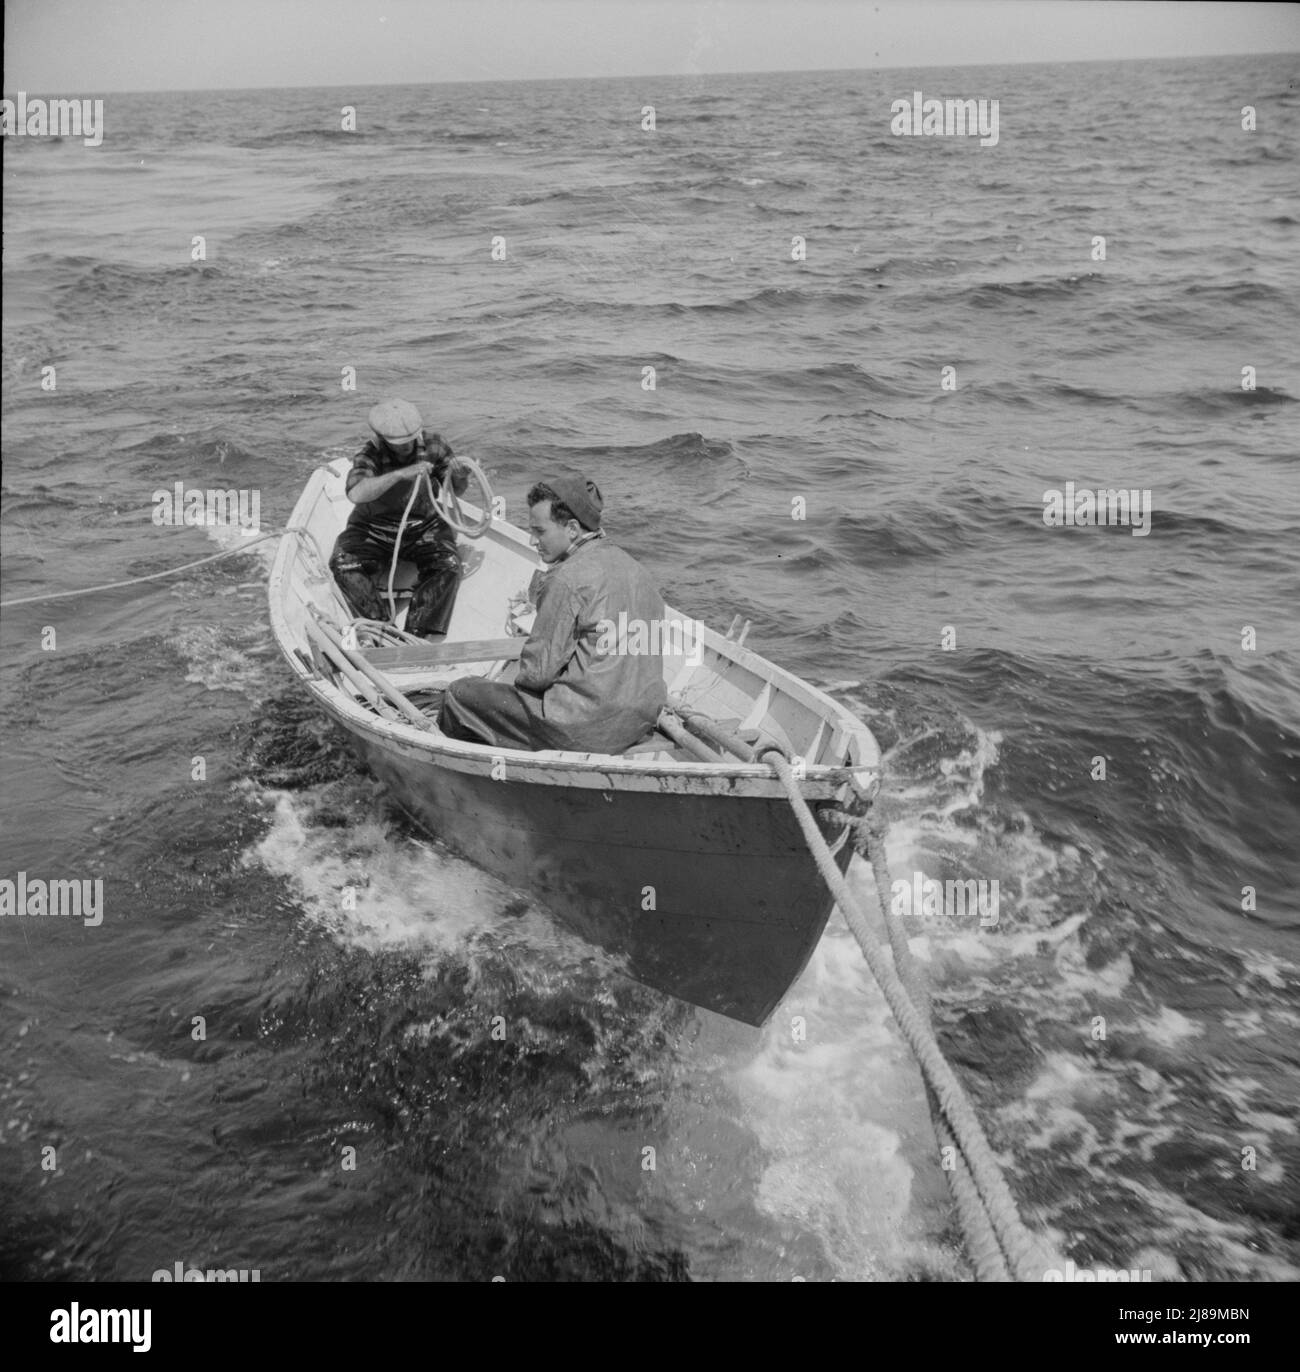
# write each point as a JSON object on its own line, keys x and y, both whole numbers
{"x": 458, "y": 472}
{"x": 372, "y": 487}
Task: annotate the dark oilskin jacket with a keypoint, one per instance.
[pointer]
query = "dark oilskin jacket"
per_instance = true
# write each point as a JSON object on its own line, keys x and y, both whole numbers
{"x": 576, "y": 697}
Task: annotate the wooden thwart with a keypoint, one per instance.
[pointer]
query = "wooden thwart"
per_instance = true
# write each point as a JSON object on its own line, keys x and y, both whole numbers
{"x": 443, "y": 654}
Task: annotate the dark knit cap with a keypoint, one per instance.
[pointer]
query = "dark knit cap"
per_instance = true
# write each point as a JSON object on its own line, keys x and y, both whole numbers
{"x": 581, "y": 495}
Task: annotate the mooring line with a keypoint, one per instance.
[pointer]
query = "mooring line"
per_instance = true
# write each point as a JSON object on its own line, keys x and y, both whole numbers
{"x": 153, "y": 576}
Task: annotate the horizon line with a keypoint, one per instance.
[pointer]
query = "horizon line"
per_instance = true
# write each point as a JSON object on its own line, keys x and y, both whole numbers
{"x": 686, "y": 76}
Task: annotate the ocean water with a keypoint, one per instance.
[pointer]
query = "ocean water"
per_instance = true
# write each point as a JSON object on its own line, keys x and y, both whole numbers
{"x": 201, "y": 1061}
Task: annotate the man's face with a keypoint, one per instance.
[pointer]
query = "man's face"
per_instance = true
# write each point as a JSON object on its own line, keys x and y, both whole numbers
{"x": 406, "y": 449}
{"x": 552, "y": 539}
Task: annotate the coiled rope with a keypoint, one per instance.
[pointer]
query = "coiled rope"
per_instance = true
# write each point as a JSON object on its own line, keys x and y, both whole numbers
{"x": 995, "y": 1222}
{"x": 449, "y": 512}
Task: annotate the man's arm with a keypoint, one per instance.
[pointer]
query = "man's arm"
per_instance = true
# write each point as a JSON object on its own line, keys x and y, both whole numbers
{"x": 552, "y": 642}
{"x": 366, "y": 488}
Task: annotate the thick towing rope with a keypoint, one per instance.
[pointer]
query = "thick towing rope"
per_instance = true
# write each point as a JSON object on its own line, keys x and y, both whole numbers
{"x": 153, "y": 576}
{"x": 987, "y": 1194}
{"x": 981, "y": 1239}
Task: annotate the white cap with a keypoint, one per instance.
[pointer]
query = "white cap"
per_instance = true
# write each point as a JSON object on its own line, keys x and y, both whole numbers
{"x": 396, "y": 421}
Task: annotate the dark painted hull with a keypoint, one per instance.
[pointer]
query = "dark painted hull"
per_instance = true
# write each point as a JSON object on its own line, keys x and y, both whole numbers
{"x": 737, "y": 903}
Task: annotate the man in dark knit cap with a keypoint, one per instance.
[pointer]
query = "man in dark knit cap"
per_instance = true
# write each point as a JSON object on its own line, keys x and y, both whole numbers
{"x": 570, "y": 692}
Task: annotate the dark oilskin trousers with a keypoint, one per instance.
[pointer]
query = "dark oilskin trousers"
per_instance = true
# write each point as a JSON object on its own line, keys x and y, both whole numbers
{"x": 476, "y": 710}
{"x": 492, "y": 712}
{"x": 363, "y": 555}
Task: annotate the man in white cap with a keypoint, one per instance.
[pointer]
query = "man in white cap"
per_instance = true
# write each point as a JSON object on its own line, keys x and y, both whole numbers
{"x": 570, "y": 693}
{"x": 379, "y": 485}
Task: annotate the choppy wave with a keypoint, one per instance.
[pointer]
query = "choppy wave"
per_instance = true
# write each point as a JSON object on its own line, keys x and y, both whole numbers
{"x": 307, "y": 138}
{"x": 998, "y": 295}
{"x": 1231, "y": 400}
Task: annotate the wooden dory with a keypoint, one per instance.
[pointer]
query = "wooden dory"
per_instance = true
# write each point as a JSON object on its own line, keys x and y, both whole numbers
{"x": 695, "y": 871}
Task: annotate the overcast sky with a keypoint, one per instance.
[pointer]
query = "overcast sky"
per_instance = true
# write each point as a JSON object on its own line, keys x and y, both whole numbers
{"x": 91, "y": 46}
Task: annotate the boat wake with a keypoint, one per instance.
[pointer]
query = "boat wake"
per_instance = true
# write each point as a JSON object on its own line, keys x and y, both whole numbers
{"x": 836, "y": 1101}
{"x": 375, "y": 888}
{"x": 795, "y": 1152}
{"x": 802, "y": 1150}
{"x": 1095, "y": 1042}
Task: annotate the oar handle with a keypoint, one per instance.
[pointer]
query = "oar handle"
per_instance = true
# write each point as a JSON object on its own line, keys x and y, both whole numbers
{"x": 725, "y": 740}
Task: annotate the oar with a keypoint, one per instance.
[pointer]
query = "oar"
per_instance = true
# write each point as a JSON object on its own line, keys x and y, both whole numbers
{"x": 724, "y": 740}
{"x": 669, "y": 724}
